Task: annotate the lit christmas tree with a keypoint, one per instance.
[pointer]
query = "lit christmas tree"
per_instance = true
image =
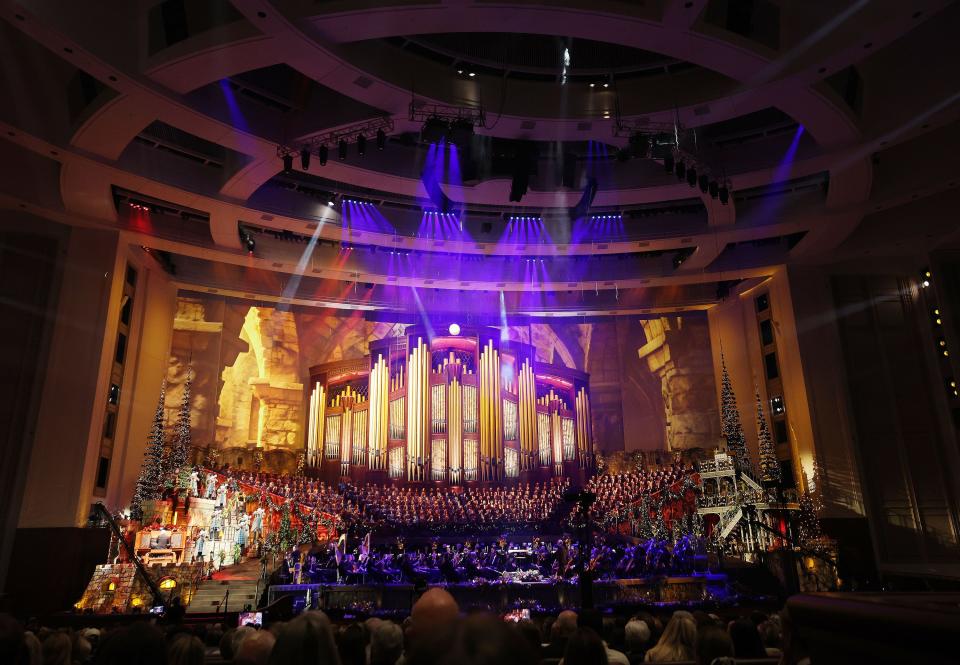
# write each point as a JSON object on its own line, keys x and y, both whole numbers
{"x": 808, "y": 523}
{"x": 769, "y": 464}
{"x": 301, "y": 462}
{"x": 180, "y": 452}
{"x": 152, "y": 471}
{"x": 730, "y": 422}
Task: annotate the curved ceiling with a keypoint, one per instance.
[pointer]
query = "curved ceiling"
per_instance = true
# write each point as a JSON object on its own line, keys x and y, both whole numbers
{"x": 191, "y": 118}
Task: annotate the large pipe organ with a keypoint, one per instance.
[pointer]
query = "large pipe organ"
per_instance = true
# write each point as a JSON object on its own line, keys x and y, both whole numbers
{"x": 448, "y": 409}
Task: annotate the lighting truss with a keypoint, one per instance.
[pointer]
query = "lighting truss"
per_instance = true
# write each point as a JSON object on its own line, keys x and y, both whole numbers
{"x": 420, "y": 111}
{"x": 349, "y": 133}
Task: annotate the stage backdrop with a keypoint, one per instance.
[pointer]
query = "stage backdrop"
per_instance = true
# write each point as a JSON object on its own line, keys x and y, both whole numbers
{"x": 651, "y": 380}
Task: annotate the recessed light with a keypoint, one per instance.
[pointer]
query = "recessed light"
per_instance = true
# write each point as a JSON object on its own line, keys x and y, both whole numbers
{"x": 459, "y": 71}
{"x": 472, "y": 74}
{"x": 606, "y": 85}
{"x": 593, "y": 85}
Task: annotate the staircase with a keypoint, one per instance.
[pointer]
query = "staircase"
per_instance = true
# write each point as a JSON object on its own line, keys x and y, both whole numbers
{"x": 240, "y": 580}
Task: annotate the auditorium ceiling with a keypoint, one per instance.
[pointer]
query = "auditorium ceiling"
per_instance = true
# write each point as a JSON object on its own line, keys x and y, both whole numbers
{"x": 168, "y": 121}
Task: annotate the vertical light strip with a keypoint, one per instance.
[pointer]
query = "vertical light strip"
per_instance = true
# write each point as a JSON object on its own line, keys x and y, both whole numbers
{"x": 455, "y": 427}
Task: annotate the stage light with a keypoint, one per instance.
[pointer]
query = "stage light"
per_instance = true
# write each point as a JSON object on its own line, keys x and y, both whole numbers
{"x": 593, "y": 85}
{"x": 714, "y": 189}
{"x": 692, "y": 176}
{"x": 305, "y": 159}
{"x": 434, "y": 130}
{"x": 381, "y": 139}
{"x": 472, "y": 74}
{"x": 937, "y": 319}
{"x": 251, "y": 244}
{"x": 323, "y": 153}
{"x": 680, "y": 169}
{"x": 925, "y": 278}
{"x": 361, "y": 145}
{"x": 606, "y": 85}
{"x": 454, "y": 329}
{"x": 724, "y": 194}
{"x": 288, "y": 162}
{"x": 668, "y": 162}
{"x": 460, "y": 71}
{"x": 704, "y": 183}
{"x": 342, "y": 150}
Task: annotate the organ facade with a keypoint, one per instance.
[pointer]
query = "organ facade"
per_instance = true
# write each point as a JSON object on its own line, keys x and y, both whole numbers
{"x": 448, "y": 409}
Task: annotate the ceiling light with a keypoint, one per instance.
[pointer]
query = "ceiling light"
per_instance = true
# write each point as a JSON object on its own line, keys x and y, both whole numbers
{"x": 459, "y": 71}
{"x": 472, "y": 74}
{"x": 593, "y": 85}
{"x": 606, "y": 85}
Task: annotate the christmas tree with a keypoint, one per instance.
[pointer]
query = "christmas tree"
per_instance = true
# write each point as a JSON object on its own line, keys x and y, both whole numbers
{"x": 730, "y": 422}
{"x": 181, "y": 436}
{"x": 808, "y": 522}
{"x": 152, "y": 471}
{"x": 769, "y": 464}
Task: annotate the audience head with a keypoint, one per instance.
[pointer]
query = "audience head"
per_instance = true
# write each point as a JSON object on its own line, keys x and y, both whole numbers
{"x": 306, "y": 640}
{"x": 352, "y": 645}
{"x": 637, "y": 635}
{"x": 564, "y": 626}
{"x": 255, "y": 649}
{"x": 746, "y": 639}
{"x": 678, "y": 639}
{"x": 386, "y": 643}
{"x": 57, "y": 649}
{"x": 186, "y": 650}
{"x": 712, "y": 642}
{"x": 531, "y": 633}
{"x": 13, "y": 642}
{"x": 477, "y": 640}
{"x": 433, "y": 610}
{"x": 137, "y": 644}
{"x": 584, "y": 647}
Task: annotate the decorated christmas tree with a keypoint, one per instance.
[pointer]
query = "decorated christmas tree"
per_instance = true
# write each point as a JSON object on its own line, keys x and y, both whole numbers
{"x": 769, "y": 464}
{"x": 730, "y": 422}
{"x": 152, "y": 471}
{"x": 807, "y": 521}
{"x": 180, "y": 453}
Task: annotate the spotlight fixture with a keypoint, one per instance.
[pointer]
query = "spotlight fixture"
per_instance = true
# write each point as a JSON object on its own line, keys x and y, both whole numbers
{"x": 704, "y": 182}
{"x": 680, "y": 169}
{"x": 434, "y": 130}
{"x": 952, "y": 387}
{"x": 724, "y": 194}
{"x": 381, "y": 139}
{"x": 925, "y": 277}
{"x": 288, "y": 162}
{"x": 714, "y": 189}
{"x": 342, "y": 149}
{"x": 668, "y": 162}
{"x": 692, "y": 176}
{"x": 472, "y": 74}
{"x": 935, "y": 315}
{"x": 305, "y": 159}
{"x": 593, "y": 85}
{"x": 323, "y": 153}
{"x": 361, "y": 145}
{"x": 454, "y": 329}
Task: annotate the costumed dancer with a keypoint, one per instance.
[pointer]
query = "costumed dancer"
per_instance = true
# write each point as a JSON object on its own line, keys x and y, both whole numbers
{"x": 222, "y": 496}
{"x": 256, "y": 529}
{"x": 211, "y": 486}
{"x": 242, "y": 526}
{"x": 216, "y": 524}
{"x": 198, "y": 544}
{"x": 194, "y": 483}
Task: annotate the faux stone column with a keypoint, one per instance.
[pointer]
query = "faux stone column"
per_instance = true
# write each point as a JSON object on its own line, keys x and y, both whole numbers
{"x": 678, "y": 351}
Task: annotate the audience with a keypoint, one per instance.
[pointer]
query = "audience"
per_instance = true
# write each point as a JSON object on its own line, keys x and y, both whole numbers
{"x": 435, "y": 633}
{"x": 712, "y": 643}
{"x": 585, "y": 648}
{"x": 677, "y": 641}
{"x": 637, "y": 637}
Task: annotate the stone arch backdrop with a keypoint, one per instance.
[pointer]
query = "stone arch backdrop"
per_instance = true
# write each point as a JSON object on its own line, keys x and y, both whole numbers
{"x": 652, "y": 383}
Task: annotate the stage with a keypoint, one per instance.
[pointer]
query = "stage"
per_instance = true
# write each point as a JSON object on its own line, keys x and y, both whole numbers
{"x": 502, "y": 596}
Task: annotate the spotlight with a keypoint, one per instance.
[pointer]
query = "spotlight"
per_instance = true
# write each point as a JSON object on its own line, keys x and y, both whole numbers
{"x": 461, "y": 132}
{"x": 342, "y": 150}
{"x": 937, "y": 319}
{"x": 472, "y": 74}
{"x": 606, "y": 85}
{"x": 381, "y": 139}
{"x": 288, "y": 162}
{"x": 692, "y": 176}
{"x": 434, "y": 130}
{"x": 724, "y": 194}
{"x": 323, "y": 153}
{"x": 361, "y": 145}
{"x": 305, "y": 159}
{"x": 250, "y": 244}
{"x": 593, "y": 85}
{"x": 680, "y": 169}
{"x": 668, "y": 162}
{"x": 925, "y": 277}
{"x": 454, "y": 329}
{"x": 704, "y": 183}
{"x": 714, "y": 189}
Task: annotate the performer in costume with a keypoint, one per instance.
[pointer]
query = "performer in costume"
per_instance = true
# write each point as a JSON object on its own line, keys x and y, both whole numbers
{"x": 242, "y": 527}
{"x": 257, "y": 527}
{"x": 222, "y": 496}
{"x": 194, "y": 483}
{"x": 211, "y": 486}
{"x": 216, "y": 524}
{"x": 198, "y": 544}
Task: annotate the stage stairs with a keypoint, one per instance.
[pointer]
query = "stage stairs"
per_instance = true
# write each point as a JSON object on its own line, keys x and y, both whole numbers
{"x": 243, "y": 583}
